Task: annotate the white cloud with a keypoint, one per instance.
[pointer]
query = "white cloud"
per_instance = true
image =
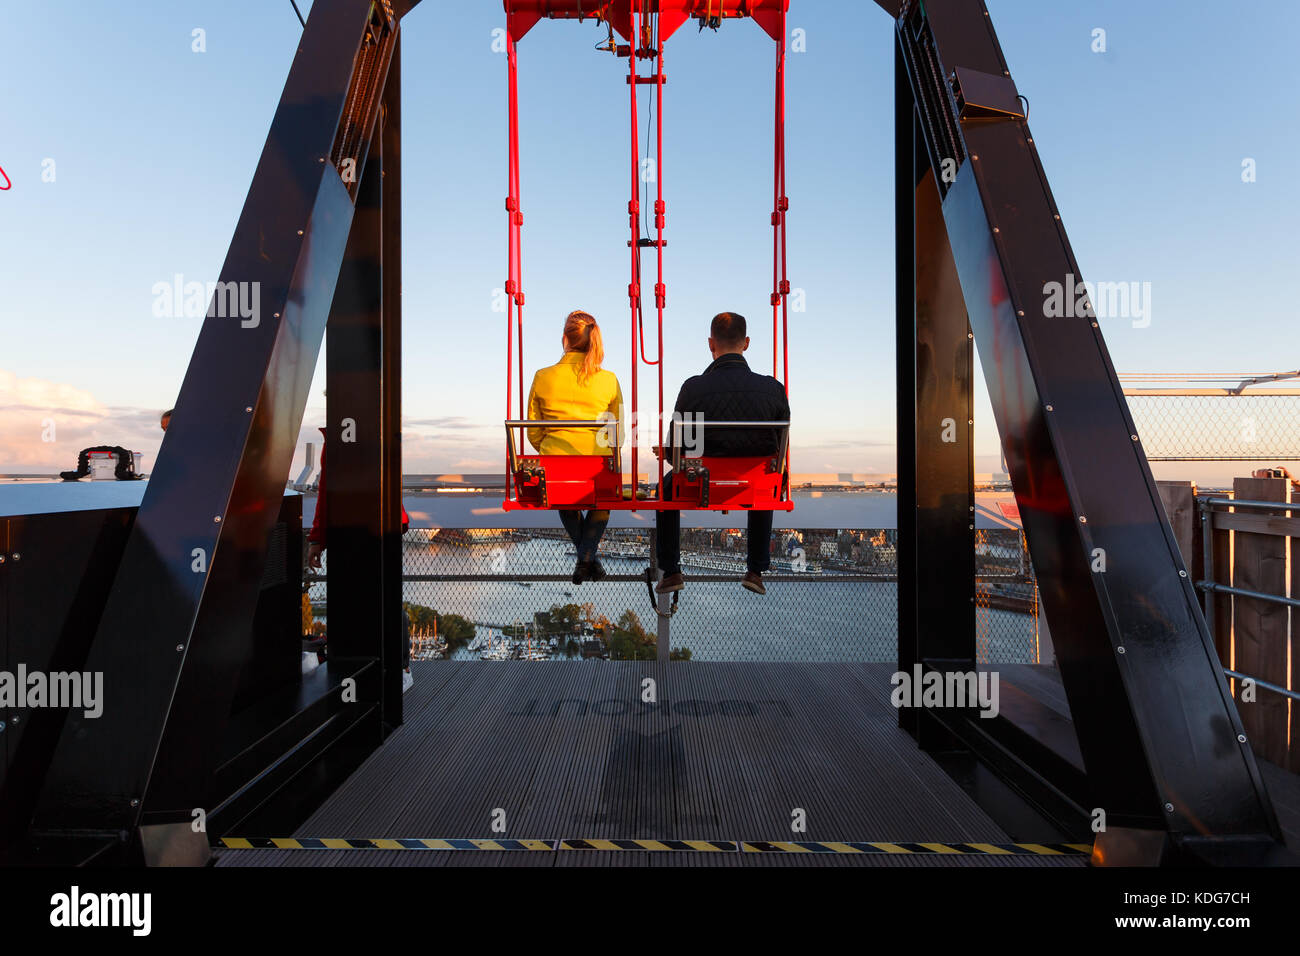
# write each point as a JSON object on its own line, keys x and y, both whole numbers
{"x": 33, "y": 410}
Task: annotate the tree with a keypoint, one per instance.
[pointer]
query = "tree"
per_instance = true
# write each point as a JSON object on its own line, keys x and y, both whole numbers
{"x": 628, "y": 640}
{"x": 452, "y": 628}
{"x": 455, "y": 629}
{"x": 560, "y": 619}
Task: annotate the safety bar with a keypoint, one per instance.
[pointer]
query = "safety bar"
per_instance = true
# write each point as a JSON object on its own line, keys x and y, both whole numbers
{"x": 1275, "y": 688}
{"x": 1217, "y": 588}
{"x": 1247, "y": 503}
{"x": 782, "y": 426}
{"x": 512, "y": 423}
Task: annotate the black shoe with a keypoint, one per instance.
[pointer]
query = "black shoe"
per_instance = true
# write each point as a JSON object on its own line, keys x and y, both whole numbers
{"x": 597, "y": 572}
{"x": 581, "y": 570}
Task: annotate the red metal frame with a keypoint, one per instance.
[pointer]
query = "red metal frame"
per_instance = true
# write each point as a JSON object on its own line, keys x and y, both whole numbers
{"x": 524, "y": 14}
{"x": 549, "y": 482}
{"x": 555, "y": 481}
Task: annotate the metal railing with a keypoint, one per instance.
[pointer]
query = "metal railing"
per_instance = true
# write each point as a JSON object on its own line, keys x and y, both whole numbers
{"x": 1208, "y": 507}
{"x": 1223, "y": 422}
{"x": 832, "y": 596}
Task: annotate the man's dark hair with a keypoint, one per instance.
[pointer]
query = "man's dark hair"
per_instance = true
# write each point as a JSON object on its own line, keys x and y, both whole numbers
{"x": 728, "y": 328}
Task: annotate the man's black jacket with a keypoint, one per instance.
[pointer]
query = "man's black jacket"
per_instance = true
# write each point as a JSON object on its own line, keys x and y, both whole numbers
{"x": 729, "y": 391}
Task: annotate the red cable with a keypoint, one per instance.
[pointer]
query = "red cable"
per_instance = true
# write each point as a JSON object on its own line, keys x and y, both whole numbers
{"x": 518, "y": 221}
{"x": 776, "y": 197}
{"x": 780, "y": 280}
{"x": 785, "y": 205}
{"x": 511, "y": 208}
{"x": 514, "y": 283}
{"x": 660, "y": 288}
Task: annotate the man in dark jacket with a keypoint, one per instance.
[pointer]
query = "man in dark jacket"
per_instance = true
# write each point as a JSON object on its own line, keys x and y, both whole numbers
{"x": 726, "y": 391}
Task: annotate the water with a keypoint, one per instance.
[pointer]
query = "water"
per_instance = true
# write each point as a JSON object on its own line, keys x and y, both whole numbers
{"x": 819, "y": 619}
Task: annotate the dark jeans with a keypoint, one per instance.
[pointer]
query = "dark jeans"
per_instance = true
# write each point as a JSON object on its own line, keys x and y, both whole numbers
{"x": 406, "y": 640}
{"x": 669, "y": 527}
{"x": 585, "y": 531}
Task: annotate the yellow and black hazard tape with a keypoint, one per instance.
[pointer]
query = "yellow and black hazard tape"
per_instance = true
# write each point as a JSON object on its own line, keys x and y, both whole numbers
{"x": 307, "y": 843}
{"x": 966, "y": 849}
{"x": 695, "y": 846}
{"x": 699, "y": 846}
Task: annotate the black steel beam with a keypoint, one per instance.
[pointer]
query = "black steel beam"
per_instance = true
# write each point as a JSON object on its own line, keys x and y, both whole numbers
{"x": 363, "y": 437}
{"x": 1160, "y": 737}
{"x": 906, "y": 179}
{"x": 395, "y": 635}
{"x": 177, "y": 624}
{"x": 354, "y": 433}
{"x": 936, "y": 503}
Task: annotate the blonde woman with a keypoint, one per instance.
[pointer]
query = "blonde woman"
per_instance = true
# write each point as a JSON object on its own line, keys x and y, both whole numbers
{"x": 576, "y": 388}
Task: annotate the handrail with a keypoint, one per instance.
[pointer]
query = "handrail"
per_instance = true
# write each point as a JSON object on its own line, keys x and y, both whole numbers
{"x": 1275, "y": 688}
{"x": 1247, "y": 503}
{"x": 1217, "y": 588}
{"x": 558, "y": 422}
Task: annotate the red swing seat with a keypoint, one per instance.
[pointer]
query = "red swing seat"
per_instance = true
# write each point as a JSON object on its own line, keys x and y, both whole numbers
{"x": 746, "y": 482}
{"x": 707, "y": 483}
{"x": 568, "y": 482}
{"x": 725, "y": 483}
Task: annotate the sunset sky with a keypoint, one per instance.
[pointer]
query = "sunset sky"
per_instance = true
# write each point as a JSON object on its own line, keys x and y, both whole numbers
{"x": 153, "y": 147}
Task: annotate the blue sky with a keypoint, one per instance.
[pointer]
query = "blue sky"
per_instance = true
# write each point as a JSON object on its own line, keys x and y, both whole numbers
{"x": 154, "y": 146}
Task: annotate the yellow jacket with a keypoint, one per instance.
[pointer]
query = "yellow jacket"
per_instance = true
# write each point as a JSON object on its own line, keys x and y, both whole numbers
{"x": 557, "y": 393}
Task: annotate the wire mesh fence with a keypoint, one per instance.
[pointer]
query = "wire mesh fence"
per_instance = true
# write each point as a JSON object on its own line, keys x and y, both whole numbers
{"x": 1186, "y": 426}
{"x": 832, "y": 595}
{"x": 1006, "y": 599}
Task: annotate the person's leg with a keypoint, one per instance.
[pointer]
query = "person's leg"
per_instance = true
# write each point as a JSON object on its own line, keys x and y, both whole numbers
{"x": 759, "y": 539}
{"x": 572, "y": 521}
{"x": 593, "y": 526}
{"x": 668, "y": 527}
{"x": 573, "y": 524}
{"x": 407, "y": 679}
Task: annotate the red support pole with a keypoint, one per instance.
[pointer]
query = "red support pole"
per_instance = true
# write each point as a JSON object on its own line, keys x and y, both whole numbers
{"x": 514, "y": 282}
{"x": 661, "y": 291}
{"x": 781, "y": 204}
{"x": 777, "y": 134}
{"x": 784, "y": 208}
{"x": 633, "y": 209}
{"x": 512, "y": 207}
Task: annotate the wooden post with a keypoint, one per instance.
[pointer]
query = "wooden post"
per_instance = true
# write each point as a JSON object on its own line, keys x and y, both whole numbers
{"x": 1261, "y": 631}
{"x": 1293, "y": 754}
{"x": 1221, "y": 573}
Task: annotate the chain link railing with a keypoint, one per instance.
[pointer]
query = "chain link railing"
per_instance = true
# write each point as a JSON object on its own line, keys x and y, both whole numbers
{"x": 831, "y": 596}
{"x": 1217, "y": 425}
{"x": 1006, "y": 599}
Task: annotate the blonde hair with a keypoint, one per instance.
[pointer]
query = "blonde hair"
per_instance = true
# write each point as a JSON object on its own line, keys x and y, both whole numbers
{"x": 582, "y": 334}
